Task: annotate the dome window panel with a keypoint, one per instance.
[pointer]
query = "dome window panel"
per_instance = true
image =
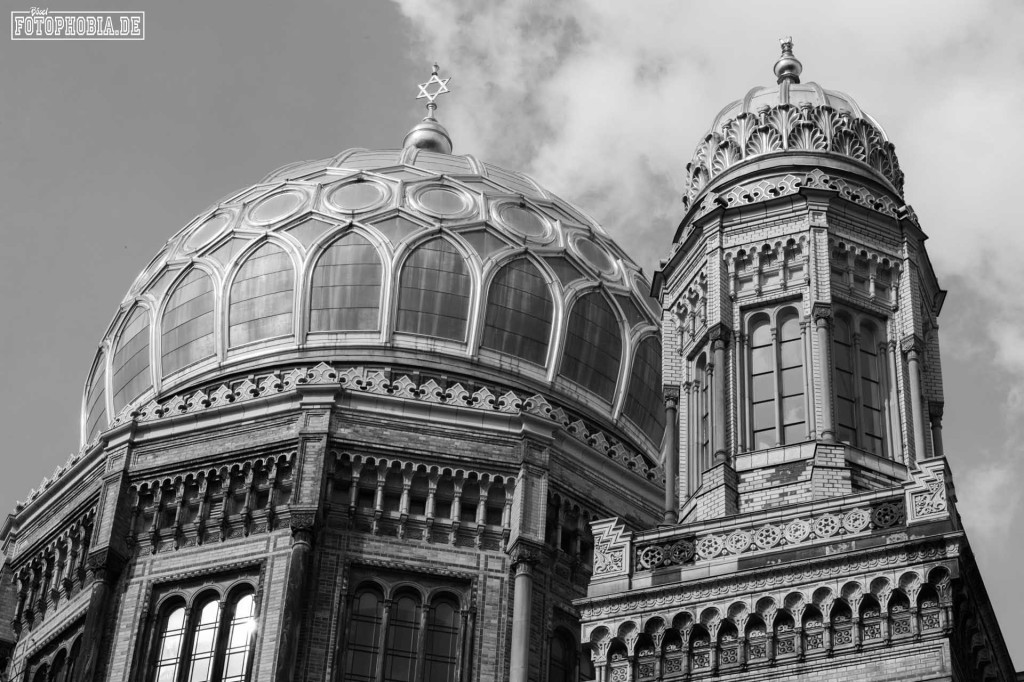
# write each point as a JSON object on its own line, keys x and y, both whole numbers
{"x": 357, "y": 196}
{"x": 595, "y": 255}
{"x": 96, "y": 401}
{"x": 130, "y": 368}
{"x": 523, "y": 221}
{"x": 593, "y": 346}
{"x": 444, "y": 202}
{"x": 261, "y": 297}
{"x": 206, "y": 232}
{"x": 519, "y": 313}
{"x": 187, "y": 325}
{"x": 434, "y": 292}
{"x": 276, "y": 207}
{"x": 347, "y": 287}
{"x": 644, "y": 401}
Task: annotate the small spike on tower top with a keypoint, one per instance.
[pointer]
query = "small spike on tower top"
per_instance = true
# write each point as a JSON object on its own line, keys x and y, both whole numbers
{"x": 788, "y": 68}
{"x": 429, "y": 134}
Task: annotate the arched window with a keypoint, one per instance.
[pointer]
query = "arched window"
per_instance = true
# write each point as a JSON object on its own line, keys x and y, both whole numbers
{"x": 645, "y": 405}
{"x": 261, "y": 297}
{"x": 395, "y": 638}
{"x": 442, "y": 640}
{"x": 72, "y": 663}
{"x": 861, "y": 379}
{"x": 207, "y": 641}
{"x": 700, "y": 411}
{"x": 42, "y": 672}
{"x": 130, "y": 371}
{"x": 434, "y": 289}
{"x": 519, "y": 313}
{"x": 187, "y": 325}
{"x": 346, "y": 287}
{"x": 593, "y": 346}
{"x": 560, "y": 662}
{"x": 778, "y": 408}
{"x": 96, "y": 400}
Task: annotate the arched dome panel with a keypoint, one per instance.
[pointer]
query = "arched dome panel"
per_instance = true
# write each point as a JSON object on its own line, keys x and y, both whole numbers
{"x": 347, "y": 286}
{"x": 261, "y": 297}
{"x": 593, "y": 346}
{"x": 644, "y": 402}
{"x": 434, "y": 292}
{"x": 519, "y": 312}
{"x": 187, "y": 324}
{"x": 96, "y": 399}
{"x": 130, "y": 376}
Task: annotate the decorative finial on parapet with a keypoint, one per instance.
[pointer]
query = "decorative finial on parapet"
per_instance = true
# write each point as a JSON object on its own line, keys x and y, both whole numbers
{"x": 788, "y": 68}
{"x": 429, "y": 134}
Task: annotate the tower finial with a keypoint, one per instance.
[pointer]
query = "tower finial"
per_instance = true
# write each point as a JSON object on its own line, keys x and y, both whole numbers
{"x": 788, "y": 68}
{"x": 429, "y": 134}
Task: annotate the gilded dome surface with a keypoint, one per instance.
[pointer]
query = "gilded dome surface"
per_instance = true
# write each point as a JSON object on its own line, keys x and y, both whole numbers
{"x": 404, "y": 259}
{"x": 791, "y": 123}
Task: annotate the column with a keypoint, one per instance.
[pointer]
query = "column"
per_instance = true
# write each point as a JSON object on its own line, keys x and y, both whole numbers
{"x": 104, "y": 574}
{"x": 935, "y": 413}
{"x": 302, "y": 524}
{"x": 914, "y": 370}
{"x": 822, "y": 313}
{"x": 523, "y": 560}
{"x": 718, "y": 340}
{"x": 671, "y": 459}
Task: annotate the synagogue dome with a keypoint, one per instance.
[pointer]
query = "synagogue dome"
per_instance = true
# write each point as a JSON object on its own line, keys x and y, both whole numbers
{"x": 789, "y": 125}
{"x": 397, "y": 259}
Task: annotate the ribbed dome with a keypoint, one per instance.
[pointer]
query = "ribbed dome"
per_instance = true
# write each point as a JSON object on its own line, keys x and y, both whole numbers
{"x": 791, "y": 123}
{"x": 397, "y": 259}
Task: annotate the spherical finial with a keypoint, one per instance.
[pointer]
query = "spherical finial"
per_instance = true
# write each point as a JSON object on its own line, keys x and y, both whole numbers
{"x": 788, "y": 68}
{"x": 429, "y": 134}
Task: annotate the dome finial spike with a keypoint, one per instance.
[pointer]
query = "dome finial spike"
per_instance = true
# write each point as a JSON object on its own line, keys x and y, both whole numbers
{"x": 788, "y": 68}
{"x": 429, "y": 134}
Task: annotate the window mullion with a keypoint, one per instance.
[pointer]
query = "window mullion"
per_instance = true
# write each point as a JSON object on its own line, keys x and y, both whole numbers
{"x": 859, "y": 435}
{"x": 421, "y": 643}
{"x": 220, "y": 641}
{"x": 185, "y": 653}
{"x": 384, "y": 622}
{"x": 777, "y": 382}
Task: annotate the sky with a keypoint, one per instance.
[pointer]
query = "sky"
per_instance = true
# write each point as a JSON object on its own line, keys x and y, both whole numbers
{"x": 108, "y": 148}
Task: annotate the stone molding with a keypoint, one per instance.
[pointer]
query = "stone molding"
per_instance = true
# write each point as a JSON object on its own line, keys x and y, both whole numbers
{"x": 787, "y": 128}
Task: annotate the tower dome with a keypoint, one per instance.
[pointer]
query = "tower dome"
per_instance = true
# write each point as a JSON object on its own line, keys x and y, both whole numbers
{"x": 790, "y": 124}
{"x": 405, "y": 259}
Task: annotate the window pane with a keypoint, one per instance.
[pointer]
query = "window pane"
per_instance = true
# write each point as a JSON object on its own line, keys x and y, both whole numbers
{"x": 762, "y": 360}
{"x": 170, "y": 645}
{"x": 96, "y": 402}
{"x": 187, "y": 325}
{"x": 763, "y": 387}
{"x": 791, "y": 353}
{"x": 364, "y": 636}
{"x": 593, "y": 346}
{"x": 519, "y": 313}
{"x": 871, "y": 395}
{"x": 789, "y": 327}
{"x": 403, "y": 633}
{"x": 204, "y": 642}
{"x": 793, "y": 381}
{"x": 261, "y": 297}
{"x": 764, "y": 416}
{"x": 346, "y": 287}
{"x": 433, "y": 297}
{"x": 240, "y": 637}
{"x": 844, "y": 385}
{"x": 764, "y": 439}
{"x": 760, "y": 334}
{"x": 560, "y": 668}
{"x": 845, "y": 413}
{"x": 794, "y": 433}
{"x": 645, "y": 404}
{"x": 442, "y": 642}
{"x": 131, "y": 376}
{"x": 868, "y": 365}
{"x": 793, "y": 409}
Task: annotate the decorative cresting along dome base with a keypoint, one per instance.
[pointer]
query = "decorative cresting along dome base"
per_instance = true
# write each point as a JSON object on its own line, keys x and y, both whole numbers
{"x": 401, "y": 262}
{"x": 772, "y": 126}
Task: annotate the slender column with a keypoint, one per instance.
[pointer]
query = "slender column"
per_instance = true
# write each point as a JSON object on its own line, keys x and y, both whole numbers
{"x": 914, "y": 370}
{"x": 718, "y": 340}
{"x": 302, "y": 523}
{"x": 523, "y": 559}
{"x": 822, "y": 313}
{"x": 894, "y": 401}
{"x": 935, "y": 413}
{"x": 671, "y": 458}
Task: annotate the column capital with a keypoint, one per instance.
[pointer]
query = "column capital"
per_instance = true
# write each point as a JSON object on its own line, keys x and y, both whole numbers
{"x": 303, "y": 525}
{"x": 935, "y": 408}
{"x": 821, "y": 313}
{"x": 525, "y": 555}
{"x": 719, "y": 336}
{"x": 671, "y": 394}
{"x": 911, "y": 343}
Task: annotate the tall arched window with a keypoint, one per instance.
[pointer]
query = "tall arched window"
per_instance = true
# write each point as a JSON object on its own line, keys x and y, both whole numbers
{"x": 187, "y": 325}
{"x": 593, "y": 346}
{"x": 346, "y": 287}
{"x": 206, "y": 641}
{"x": 96, "y": 400}
{"x": 130, "y": 368}
{"x": 261, "y": 297}
{"x": 519, "y": 313}
{"x": 861, "y": 381}
{"x": 561, "y": 657}
{"x": 645, "y": 404}
{"x": 434, "y": 289}
{"x": 397, "y": 637}
{"x": 777, "y": 381}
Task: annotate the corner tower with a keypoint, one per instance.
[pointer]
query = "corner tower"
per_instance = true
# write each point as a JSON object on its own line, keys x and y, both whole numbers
{"x": 811, "y": 526}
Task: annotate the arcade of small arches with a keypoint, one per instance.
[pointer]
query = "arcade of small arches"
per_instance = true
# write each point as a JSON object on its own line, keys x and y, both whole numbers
{"x": 774, "y": 628}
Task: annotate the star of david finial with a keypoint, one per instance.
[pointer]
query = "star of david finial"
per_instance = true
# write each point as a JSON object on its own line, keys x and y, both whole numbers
{"x": 431, "y": 94}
